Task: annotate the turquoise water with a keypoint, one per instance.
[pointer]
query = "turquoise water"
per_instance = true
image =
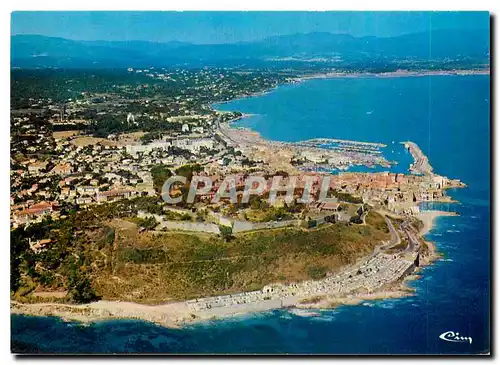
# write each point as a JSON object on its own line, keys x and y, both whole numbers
{"x": 448, "y": 117}
{"x": 439, "y": 113}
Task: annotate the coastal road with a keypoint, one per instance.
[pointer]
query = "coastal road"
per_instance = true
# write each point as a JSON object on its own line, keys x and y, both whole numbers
{"x": 395, "y": 239}
{"x": 413, "y": 243}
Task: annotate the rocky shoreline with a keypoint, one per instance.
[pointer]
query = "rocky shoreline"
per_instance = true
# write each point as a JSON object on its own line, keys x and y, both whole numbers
{"x": 300, "y": 295}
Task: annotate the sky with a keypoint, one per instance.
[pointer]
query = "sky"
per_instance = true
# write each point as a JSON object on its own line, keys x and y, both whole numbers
{"x": 231, "y": 27}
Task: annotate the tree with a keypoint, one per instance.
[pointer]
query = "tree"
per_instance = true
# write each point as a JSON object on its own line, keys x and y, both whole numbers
{"x": 18, "y": 246}
{"x": 148, "y": 223}
{"x": 356, "y": 219}
{"x": 226, "y": 232}
{"x": 160, "y": 174}
{"x": 188, "y": 170}
{"x": 79, "y": 288}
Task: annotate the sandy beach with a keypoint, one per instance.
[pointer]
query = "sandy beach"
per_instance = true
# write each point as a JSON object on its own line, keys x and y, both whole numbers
{"x": 178, "y": 314}
{"x": 428, "y": 218}
{"x": 168, "y": 315}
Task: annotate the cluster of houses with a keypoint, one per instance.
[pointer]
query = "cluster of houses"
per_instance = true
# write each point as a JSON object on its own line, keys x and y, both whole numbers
{"x": 78, "y": 175}
{"x": 98, "y": 173}
{"x": 193, "y": 145}
{"x": 391, "y": 190}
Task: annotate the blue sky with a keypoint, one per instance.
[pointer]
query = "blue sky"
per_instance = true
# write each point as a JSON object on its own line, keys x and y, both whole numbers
{"x": 229, "y": 27}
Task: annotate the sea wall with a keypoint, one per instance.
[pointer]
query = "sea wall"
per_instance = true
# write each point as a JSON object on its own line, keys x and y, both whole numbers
{"x": 181, "y": 225}
{"x": 217, "y": 220}
{"x": 243, "y": 226}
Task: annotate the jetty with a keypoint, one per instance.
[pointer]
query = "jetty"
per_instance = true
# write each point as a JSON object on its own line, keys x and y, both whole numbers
{"x": 322, "y": 141}
{"x": 319, "y": 152}
{"x": 421, "y": 163}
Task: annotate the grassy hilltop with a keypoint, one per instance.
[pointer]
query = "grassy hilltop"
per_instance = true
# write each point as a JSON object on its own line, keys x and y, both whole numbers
{"x": 112, "y": 258}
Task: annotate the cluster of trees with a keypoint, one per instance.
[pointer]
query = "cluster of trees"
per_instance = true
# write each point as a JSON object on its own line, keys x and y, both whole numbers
{"x": 150, "y": 204}
{"x": 107, "y": 124}
{"x": 61, "y": 85}
{"x": 226, "y": 233}
{"x": 63, "y": 264}
{"x": 147, "y": 223}
{"x": 160, "y": 174}
{"x": 111, "y": 90}
{"x": 346, "y": 197}
{"x": 276, "y": 214}
{"x": 151, "y": 136}
{"x": 188, "y": 170}
{"x": 68, "y": 261}
{"x": 174, "y": 216}
{"x": 177, "y": 151}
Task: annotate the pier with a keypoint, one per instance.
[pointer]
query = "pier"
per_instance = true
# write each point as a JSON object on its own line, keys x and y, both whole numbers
{"x": 323, "y": 141}
{"x": 319, "y": 152}
{"x": 421, "y": 163}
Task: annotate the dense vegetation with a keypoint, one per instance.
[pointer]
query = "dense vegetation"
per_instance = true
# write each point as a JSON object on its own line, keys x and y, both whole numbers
{"x": 94, "y": 255}
{"x": 346, "y": 197}
{"x": 181, "y": 266}
{"x": 160, "y": 174}
{"x": 79, "y": 245}
{"x": 110, "y": 95}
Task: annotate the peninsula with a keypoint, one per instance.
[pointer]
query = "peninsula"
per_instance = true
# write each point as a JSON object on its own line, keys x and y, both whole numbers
{"x": 91, "y": 237}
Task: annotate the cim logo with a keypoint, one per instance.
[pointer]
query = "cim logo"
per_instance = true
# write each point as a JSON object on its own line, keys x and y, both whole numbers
{"x": 451, "y": 336}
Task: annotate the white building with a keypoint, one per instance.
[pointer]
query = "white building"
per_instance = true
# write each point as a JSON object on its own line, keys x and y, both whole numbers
{"x": 134, "y": 149}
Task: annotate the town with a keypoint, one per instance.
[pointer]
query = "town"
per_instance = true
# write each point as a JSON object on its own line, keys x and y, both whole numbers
{"x": 97, "y": 153}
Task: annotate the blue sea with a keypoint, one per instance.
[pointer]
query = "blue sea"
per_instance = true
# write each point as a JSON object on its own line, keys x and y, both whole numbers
{"x": 448, "y": 117}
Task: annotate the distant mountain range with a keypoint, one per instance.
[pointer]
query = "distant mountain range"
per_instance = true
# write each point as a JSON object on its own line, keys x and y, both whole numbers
{"x": 318, "y": 48}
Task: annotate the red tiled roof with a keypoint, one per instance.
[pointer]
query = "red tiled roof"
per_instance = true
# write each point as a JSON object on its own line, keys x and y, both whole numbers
{"x": 114, "y": 192}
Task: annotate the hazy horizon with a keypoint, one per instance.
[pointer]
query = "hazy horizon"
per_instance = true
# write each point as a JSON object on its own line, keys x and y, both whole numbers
{"x": 234, "y": 27}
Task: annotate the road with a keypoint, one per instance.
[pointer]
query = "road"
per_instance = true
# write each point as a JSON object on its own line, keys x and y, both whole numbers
{"x": 395, "y": 239}
{"x": 413, "y": 243}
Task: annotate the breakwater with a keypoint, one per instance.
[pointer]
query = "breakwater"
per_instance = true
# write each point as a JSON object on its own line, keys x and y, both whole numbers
{"x": 421, "y": 163}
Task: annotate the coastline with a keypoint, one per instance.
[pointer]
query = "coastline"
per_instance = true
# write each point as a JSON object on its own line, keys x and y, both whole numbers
{"x": 399, "y": 73}
{"x": 255, "y": 138}
{"x": 178, "y": 314}
{"x": 333, "y": 75}
{"x": 428, "y": 218}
